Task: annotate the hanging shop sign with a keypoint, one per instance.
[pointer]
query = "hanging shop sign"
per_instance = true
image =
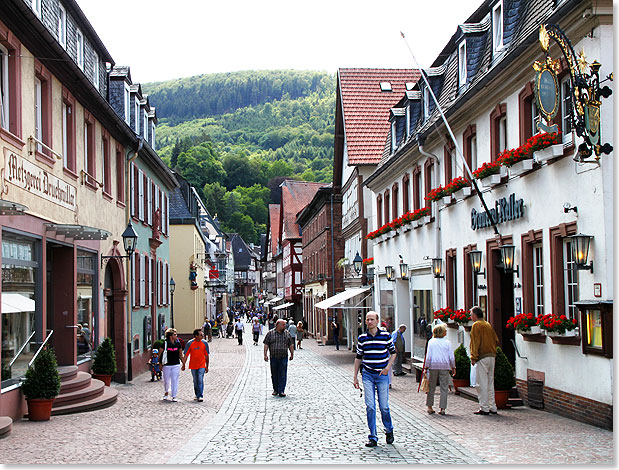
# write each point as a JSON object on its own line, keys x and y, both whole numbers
{"x": 505, "y": 209}
{"x": 31, "y": 178}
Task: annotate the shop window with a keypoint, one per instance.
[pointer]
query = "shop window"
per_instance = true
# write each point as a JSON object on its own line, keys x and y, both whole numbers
{"x": 86, "y": 311}
{"x": 19, "y": 307}
{"x": 596, "y": 325}
{"x": 147, "y": 332}
{"x": 498, "y": 130}
{"x": 68, "y": 131}
{"x": 406, "y": 185}
{"x": 379, "y": 211}
{"x": 10, "y": 86}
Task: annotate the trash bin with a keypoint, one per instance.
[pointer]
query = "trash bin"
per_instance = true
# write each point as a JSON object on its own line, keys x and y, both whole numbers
{"x": 535, "y": 393}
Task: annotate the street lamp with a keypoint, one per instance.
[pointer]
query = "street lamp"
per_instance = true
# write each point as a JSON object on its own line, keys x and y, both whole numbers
{"x": 390, "y": 273}
{"x": 507, "y": 257}
{"x": 130, "y": 240}
{"x": 403, "y": 269}
{"x": 476, "y": 265}
{"x": 437, "y": 268}
{"x": 357, "y": 263}
{"x": 580, "y": 250}
{"x": 172, "y": 288}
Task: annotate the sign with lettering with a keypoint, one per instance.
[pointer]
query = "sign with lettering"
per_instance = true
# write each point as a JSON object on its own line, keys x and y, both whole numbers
{"x": 504, "y": 209}
{"x": 29, "y": 177}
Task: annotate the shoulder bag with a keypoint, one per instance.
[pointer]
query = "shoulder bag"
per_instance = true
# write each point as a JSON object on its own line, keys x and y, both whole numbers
{"x": 164, "y": 356}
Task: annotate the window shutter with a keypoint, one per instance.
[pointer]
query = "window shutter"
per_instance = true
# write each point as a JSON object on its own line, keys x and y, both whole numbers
{"x": 132, "y": 191}
{"x": 141, "y": 196}
{"x": 167, "y": 284}
{"x": 142, "y": 293}
{"x": 147, "y": 280}
{"x": 167, "y": 213}
{"x": 136, "y": 280}
{"x": 150, "y": 202}
{"x": 150, "y": 281}
{"x": 132, "y": 281}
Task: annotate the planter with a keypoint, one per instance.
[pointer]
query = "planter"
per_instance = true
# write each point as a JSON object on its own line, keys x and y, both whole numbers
{"x": 567, "y": 334}
{"x": 463, "y": 192}
{"x": 427, "y": 219}
{"x": 39, "y": 409}
{"x": 105, "y": 378}
{"x": 521, "y": 167}
{"x": 501, "y": 397}
{"x": 490, "y": 181}
{"x": 460, "y": 383}
{"x": 534, "y": 330}
{"x": 548, "y": 153}
{"x": 452, "y": 324}
{"x": 406, "y": 228}
{"x": 418, "y": 222}
{"x": 447, "y": 200}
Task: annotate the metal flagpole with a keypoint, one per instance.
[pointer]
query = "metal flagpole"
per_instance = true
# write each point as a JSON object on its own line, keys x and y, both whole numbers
{"x": 453, "y": 138}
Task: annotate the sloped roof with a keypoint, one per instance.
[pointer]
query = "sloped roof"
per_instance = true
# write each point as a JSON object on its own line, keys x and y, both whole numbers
{"x": 366, "y": 109}
{"x": 295, "y": 196}
{"x": 274, "y": 223}
{"x": 178, "y": 205}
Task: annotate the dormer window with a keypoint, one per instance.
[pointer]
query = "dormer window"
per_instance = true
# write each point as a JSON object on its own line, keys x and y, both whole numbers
{"x": 394, "y": 137}
{"x": 426, "y": 103}
{"x": 145, "y": 125}
{"x": 136, "y": 115}
{"x": 152, "y": 134}
{"x": 462, "y": 63}
{"x": 79, "y": 45}
{"x": 95, "y": 72}
{"x": 62, "y": 26}
{"x": 497, "y": 27}
{"x": 36, "y": 6}
{"x": 127, "y": 108}
{"x": 385, "y": 86}
{"x": 408, "y": 120}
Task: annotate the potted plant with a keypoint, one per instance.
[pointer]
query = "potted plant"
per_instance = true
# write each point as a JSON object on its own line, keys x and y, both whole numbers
{"x": 462, "y": 317}
{"x": 558, "y": 325}
{"x": 460, "y": 187}
{"x": 437, "y": 194}
{"x": 518, "y": 160}
{"x": 443, "y": 314}
{"x": 524, "y": 323}
{"x": 42, "y": 385}
{"x": 104, "y": 363}
{"x": 504, "y": 379}
{"x": 546, "y": 146}
{"x": 489, "y": 174}
{"x": 463, "y": 368}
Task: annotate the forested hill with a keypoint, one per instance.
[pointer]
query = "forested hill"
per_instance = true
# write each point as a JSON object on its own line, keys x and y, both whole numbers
{"x": 235, "y": 136}
{"x": 214, "y": 94}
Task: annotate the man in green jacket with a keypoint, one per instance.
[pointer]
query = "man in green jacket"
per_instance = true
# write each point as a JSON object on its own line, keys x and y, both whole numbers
{"x": 483, "y": 353}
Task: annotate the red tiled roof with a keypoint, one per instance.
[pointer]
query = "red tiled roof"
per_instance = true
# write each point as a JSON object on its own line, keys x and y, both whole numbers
{"x": 366, "y": 109}
{"x": 295, "y": 196}
{"x": 274, "y": 224}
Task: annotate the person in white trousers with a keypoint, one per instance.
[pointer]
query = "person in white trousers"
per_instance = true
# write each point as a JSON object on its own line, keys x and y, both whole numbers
{"x": 171, "y": 361}
{"x": 483, "y": 353}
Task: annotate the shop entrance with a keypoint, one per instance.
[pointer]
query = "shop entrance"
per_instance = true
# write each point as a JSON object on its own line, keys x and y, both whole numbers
{"x": 502, "y": 304}
{"x": 115, "y": 296}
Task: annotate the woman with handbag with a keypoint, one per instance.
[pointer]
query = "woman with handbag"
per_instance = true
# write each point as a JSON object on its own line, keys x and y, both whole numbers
{"x": 171, "y": 357}
{"x": 440, "y": 361}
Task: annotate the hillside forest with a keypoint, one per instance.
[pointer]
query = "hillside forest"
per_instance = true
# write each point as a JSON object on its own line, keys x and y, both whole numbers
{"x": 236, "y": 136}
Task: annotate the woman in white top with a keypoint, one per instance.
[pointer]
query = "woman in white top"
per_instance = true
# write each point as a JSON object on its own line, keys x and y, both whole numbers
{"x": 440, "y": 361}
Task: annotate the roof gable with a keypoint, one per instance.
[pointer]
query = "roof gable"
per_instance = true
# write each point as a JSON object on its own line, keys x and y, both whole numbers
{"x": 295, "y": 196}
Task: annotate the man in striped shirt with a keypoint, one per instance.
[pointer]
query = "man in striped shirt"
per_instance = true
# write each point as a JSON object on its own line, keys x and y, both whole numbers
{"x": 375, "y": 355}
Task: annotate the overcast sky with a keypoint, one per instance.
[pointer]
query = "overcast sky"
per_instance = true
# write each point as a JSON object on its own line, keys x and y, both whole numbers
{"x": 162, "y": 39}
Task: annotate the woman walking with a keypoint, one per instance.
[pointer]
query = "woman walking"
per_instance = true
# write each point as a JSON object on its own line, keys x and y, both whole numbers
{"x": 440, "y": 361}
{"x": 256, "y": 327}
{"x": 171, "y": 361}
{"x": 300, "y": 332}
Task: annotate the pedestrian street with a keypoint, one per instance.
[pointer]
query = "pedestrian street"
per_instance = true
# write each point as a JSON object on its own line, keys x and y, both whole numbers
{"x": 320, "y": 421}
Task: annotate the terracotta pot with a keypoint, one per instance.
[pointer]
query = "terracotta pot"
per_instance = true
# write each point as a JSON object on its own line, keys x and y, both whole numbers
{"x": 460, "y": 383}
{"x": 39, "y": 409}
{"x": 105, "y": 378}
{"x": 501, "y": 397}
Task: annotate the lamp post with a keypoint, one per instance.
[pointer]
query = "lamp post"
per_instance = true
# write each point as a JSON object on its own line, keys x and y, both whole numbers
{"x": 357, "y": 262}
{"x": 390, "y": 273}
{"x": 476, "y": 265}
{"x": 580, "y": 251}
{"x": 507, "y": 257}
{"x": 437, "y": 268}
{"x": 172, "y": 288}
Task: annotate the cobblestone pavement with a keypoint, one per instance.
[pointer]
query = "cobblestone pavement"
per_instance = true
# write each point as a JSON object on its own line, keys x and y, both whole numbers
{"x": 139, "y": 428}
{"x": 321, "y": 421}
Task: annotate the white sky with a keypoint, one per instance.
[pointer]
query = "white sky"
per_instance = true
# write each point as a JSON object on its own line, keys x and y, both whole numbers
{"x": 162, "y": 40}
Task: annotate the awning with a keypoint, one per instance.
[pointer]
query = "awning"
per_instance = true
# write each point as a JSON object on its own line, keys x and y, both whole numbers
{"x": 286, "y": 305}
{"x": 275, "y": 299}
{"x": 14, "y": 303}
{"x": 78, "y": 232}
{"x": 341, "y": 297}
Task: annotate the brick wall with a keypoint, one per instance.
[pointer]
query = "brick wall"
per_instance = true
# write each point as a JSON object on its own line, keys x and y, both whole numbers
{"x": 571, "y": 406}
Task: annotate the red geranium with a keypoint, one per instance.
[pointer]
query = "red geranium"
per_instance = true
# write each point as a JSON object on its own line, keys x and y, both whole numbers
{"x": 522, "y": 322}
{"x": 487, "y": 169}
{"x": 456, "y": 184}
{"x": 556, "y": 323}
{"x": 436, "y": 193}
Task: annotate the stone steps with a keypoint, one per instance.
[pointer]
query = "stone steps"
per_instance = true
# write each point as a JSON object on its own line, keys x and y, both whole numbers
{"x": 471, "y": 392}
{"x": 80, "y": 381}
{"x": 107, "y": 398}
{"x": 6, "y": 424}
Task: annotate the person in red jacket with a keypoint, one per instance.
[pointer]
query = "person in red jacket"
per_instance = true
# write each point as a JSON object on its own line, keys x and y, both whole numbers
{"x": 197, "y": 351}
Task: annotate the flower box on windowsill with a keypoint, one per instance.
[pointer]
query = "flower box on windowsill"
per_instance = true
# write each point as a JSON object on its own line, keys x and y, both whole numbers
{"x": 427, "y": 219}
{"x": 521, "y": 167}
{"x": 548, "y": 153}
{"x": 567, "y": 334}
{"x": 447, "y": 200}
{"x": 453, "y": 324}
{"x": 491, "y": 180}
{"x": 419, "y": 222}
{"x": 567, "y": 340}
{"x": 406, "y": 228}
{"x": 463, "y": 192}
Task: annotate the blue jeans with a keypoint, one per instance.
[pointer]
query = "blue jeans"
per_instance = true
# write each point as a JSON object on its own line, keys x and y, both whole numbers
{"x": 375, "y": 383}
{"x": 279, "y": 369}
{"x": 198, "y": 381}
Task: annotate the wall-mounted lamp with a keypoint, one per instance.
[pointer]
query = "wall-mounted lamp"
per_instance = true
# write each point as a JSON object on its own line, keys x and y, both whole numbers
{"x": 507, "y": 257}
{"x": 580, "y": 250}
{"x": 390, "y": 273}
{"x": 403, "y": 269}
{"x": 476, "y": 262}
{"x": 437, "y": 268}
{"x": 357, "y": 263}
{"x": 130, "y": 240}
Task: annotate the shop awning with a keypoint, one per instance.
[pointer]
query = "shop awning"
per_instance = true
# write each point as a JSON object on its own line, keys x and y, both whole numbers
{"x": 341, "y": 297}
{"x": 78, "y": 232}
{"x": 15, "y": 303}
{"x": 274, "y": 300}
{"x": 286, "y": 305}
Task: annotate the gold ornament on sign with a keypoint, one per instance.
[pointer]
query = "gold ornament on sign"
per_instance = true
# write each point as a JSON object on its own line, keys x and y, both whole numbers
{"x": 583, "y": 66}
{"x": 544, "y": 39}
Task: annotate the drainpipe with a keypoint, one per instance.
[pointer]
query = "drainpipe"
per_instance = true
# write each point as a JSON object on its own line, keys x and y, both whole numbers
{"x": 437, "y": 231}
{"x": 332, "y": 259}
{"x": 130, "y": 158}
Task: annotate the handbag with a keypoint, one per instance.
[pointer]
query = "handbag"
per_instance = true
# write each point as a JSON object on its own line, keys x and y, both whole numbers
{"x": 164, "y": 356}
{"x": 424, "y": 386}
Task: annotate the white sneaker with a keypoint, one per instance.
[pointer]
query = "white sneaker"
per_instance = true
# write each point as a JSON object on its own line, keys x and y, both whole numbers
{"x": 165, "y": 398}
{"x": 174, "y": 399}
{"x": 200, "y": 399}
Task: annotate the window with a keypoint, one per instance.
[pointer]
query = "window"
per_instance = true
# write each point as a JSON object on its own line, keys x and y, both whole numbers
{"x": 408, "y": 120}
{"x": 566, "y": 110}
{"x": 497, "y": 27}
{"x": 426, "y": 103}
{"x": 107, "y": 164}
{"x": 451, "y": 278}
{"x": 498, "y": 130}
{"x": 596, "y": 324}
{"x": 469, "y": 138}
{"x": 528, "y": 114}
{"x": 406, "y": 189}
{"x": 62, "y": 26}
{"x": 570, "y": 280}
{"x": 145, "y": 125}
{"x": 89, "y": 150}
{"x": 449, "y": 152}
{"x": 43, "y": 111}
{"x": 79, "y": 46}
{"x": 152, "y": 134}
{"x": 394, "y": 138}
{"x": 428, "y": 178}
{"x": 394, "y": 201}
{"x": 4, "y": 86}
{"x": 379, "y": 211}
{"x": 38, "y": 118}
{"x": 68, "y": 131}
{"x": 86, "y": 275}
{"x": 127, "y": 101}
{"x": 95, "y": 72}
{"x": 120, "y": 175}
{"x": 538, "y": 279}
{"x": 10, "y": 86}
{"x": 417, "y": 191}
{"x": 36, "y": 7}
{"x": 462, "y": 63}
{"x": 386, "y": 204}
{"x": 385, "y": 86}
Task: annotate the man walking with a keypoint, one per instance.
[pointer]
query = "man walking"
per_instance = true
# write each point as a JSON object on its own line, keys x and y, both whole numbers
{"x": 278, "y": 342}
{"x": 198, "y": 352}
{"x": 483, "y": 353}
{"x": 373, "y": 349}
{"x": 398, "y": 341}
{"x": 239, "y": 330}
{"x": 292, "y": 329}
{"x": 336, "y": 332}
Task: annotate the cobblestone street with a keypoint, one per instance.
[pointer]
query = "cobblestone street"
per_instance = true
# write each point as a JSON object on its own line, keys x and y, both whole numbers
{"x": 321, "y": 421}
